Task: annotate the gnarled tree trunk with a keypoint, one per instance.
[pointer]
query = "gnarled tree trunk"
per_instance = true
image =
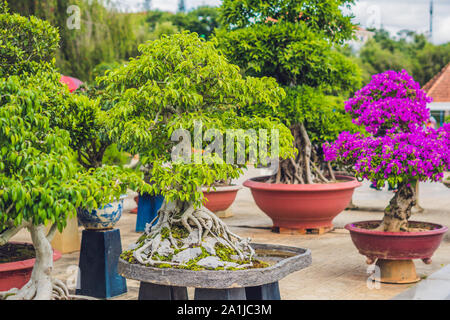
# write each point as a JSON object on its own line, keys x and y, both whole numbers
{"x": 398, "y": 211}
{"x": 41, "y": 285}
{"x": 307, "y": 167}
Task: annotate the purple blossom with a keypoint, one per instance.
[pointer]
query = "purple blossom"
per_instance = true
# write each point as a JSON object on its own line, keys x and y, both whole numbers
{"x": 398, "y": 148}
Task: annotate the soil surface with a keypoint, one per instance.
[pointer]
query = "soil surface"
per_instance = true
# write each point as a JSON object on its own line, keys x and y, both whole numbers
{"x": 12, "y": 252}
{"x": 412, "y": 226}
{"x": 266, "y": 179}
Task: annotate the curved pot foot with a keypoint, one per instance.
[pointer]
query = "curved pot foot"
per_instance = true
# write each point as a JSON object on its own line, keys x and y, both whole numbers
{"x": 395, "y": 271}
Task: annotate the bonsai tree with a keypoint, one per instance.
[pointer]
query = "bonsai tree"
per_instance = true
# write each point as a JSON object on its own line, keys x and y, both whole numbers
{"x": 182, "y": 87}
{"x": 294, "y": 42}
{"x": 41, "y": 184}
{"x": 397, "y": 149}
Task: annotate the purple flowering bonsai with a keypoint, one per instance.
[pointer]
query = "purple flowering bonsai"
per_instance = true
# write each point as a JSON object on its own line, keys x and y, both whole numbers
{"x": 398, "y": 149}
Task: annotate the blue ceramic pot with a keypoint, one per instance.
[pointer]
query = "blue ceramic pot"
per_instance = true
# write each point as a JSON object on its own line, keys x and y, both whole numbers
{"x": 102, "y": 218}
{"x": 148, "y": 207}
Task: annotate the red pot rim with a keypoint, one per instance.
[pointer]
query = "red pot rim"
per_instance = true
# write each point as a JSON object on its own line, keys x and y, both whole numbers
{"x": 221, "y": 189}
{"x": 24, "y": 264}
{"x": 350, "y": 184}
{"x": 440, "y": 229}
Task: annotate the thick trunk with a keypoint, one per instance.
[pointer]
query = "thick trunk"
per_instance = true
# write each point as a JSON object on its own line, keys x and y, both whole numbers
{"x": 41, "y": 285}
{"x": 307, "y": 167}
{"x": 398, "y": 211}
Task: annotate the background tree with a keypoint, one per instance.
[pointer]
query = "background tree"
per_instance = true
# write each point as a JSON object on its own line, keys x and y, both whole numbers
{"x": 407, "y": 50}
{"x": 104, "y": 34}
{"x": 179, "y": 82}
{"x": 294, "y": 42}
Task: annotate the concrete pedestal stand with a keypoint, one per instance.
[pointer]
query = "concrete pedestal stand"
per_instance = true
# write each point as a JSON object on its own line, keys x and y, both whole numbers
{"x": 248, "y": 284}
{"x": 99, "y": 254}
{"x": 148, "y": 207}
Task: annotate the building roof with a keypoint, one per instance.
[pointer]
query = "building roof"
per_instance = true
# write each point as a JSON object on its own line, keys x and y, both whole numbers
{"x": 439, "y": 86}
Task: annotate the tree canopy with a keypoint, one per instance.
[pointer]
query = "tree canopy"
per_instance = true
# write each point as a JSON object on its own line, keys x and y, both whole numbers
{"x": 176, "y": 82}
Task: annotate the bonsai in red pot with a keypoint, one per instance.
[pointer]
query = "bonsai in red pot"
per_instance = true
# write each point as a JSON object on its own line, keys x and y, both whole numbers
{"x": 399, "y": 150}
{"x": 220, "y": 196}
{"x": 297, "y": 48}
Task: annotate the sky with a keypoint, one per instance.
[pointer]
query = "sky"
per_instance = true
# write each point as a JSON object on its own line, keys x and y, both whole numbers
{"x": 392, "y": 15}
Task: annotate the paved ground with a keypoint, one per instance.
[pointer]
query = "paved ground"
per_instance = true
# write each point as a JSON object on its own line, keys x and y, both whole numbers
{"x": 337, "y": 271}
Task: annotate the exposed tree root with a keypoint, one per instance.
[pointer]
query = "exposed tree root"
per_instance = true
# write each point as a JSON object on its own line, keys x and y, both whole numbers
{"x": 32, "y": 290}
{"x": 201, "y": 224}
{"x": 398, "y": 211}
{"x": 307, "y": 167}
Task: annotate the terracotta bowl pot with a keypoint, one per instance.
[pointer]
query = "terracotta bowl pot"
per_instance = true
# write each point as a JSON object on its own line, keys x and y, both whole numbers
{"x": 302, "y": 206}
{"x": 221, "y": 198}
{"x": 16, "y": 274}
{"x": 396, "y": 245}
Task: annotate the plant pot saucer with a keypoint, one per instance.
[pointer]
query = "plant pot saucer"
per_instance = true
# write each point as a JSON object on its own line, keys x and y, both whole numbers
{"x": 395, "y": 272}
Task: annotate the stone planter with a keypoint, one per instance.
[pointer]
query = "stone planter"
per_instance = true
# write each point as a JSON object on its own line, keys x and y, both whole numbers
{"x": 394, "y": 251}
{"x": 102, "y": 218}
{"x": 220, "y": 199}
{"x": 302, "y": 208}
{"x": 258, "y": 283}
{"x": 17, "y": 274}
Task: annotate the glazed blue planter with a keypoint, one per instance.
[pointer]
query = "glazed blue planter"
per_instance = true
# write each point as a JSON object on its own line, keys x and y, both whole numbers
{"x": 148, "y": 207}
{"x": 102, "y": 218}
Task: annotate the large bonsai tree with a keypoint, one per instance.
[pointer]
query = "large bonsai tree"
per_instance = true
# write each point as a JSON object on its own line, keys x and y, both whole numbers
{"x": 183, "y": 82}
{"x": 41, "y": 184}
{"x": 294, "y": 42}
{"x": 398, "y": 149}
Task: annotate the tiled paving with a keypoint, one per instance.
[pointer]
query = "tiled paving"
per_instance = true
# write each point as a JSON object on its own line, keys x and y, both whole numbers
{"x": 338, "y": 271}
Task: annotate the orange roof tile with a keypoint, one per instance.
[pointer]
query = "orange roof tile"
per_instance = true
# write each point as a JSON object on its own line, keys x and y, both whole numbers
{"x": 439, "y": 86}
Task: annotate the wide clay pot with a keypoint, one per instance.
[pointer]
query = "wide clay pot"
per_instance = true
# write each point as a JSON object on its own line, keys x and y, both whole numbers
{"x": 394, "y": 251}
{"x": 17, "y": 274}
{"x": 101, "y": 218}
{"x": 302, "y": 206}
{"x": 221, "y": 198}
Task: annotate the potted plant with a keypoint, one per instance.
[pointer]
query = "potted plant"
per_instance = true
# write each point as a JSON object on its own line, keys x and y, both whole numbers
{"x": 399, "y": 150}
{"x": 40, "y": 181}
{"x": 295, "y": 42}
{"x": 220, "y": 196}
{"x": 182, "y": 87}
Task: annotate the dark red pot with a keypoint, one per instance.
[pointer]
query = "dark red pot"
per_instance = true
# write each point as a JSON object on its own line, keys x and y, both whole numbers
{"x": 396, "y": 245}
{"x": 302, "y": 206}
{"x": 221, "y": 198}
{"x": 16, "y": 274}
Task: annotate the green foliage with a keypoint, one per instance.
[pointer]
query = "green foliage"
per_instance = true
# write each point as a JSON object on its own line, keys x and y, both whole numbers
{"x": 323, "y": 16}
{"x": 39, "y": 180}
{"x": 202, "y": 20}
{"x": 105, "y": 35}
{"x": 295, "y": 42}
{"x": 25, "y": 44}
{"x": 176, "y": 82}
